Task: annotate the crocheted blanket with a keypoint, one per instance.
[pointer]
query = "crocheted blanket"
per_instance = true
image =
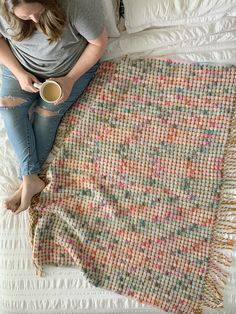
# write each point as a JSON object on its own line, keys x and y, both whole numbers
{"x": 139, "y": 193}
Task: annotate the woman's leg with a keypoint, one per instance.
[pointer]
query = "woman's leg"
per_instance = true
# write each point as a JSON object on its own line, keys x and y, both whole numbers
{"x": 48, "y": 116}
{"x": 14, "y": 108}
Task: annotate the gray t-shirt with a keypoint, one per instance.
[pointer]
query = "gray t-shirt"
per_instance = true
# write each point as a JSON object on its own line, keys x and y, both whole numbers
{"x": 85, "y": 21}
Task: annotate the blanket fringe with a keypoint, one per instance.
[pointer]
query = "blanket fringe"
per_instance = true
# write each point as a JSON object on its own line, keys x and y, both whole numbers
{"x": 219, "y": 265}
{"x": 34, "y": 216}
{"x": 223, "y": 239}
{"x": 38, "y": 270}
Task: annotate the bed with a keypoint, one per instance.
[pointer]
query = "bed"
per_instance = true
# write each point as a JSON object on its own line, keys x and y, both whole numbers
{"x": 204, "y": 32}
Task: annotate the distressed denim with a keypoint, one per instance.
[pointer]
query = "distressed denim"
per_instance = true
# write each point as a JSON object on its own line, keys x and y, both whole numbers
{"x": 30, "y": 133}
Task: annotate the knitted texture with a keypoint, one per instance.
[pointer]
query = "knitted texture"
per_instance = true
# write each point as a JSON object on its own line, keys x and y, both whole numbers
{"x": 134, "y": 190}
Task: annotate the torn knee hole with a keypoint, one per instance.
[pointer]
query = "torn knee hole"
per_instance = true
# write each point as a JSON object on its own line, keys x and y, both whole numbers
{"x": 11, "y": 101}
{"x": 45, "y": 112}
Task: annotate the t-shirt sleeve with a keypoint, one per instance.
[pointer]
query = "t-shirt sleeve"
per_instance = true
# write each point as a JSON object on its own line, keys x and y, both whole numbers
{"x": 88, "y": 18}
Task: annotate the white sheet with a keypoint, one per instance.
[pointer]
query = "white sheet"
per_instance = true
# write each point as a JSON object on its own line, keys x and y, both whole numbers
{"x": 212, "y": 42}
{"x": 140, "y": 15}
{"x": 65, "y": 290}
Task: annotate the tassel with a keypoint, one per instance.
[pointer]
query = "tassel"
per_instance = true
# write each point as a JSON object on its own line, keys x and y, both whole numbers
{"x": 220, "y": 262}
{"x": 38, "y": 270}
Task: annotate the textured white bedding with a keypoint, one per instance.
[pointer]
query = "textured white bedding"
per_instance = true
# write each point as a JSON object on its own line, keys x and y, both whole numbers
{"x": 65, "y": 290}
{"x": 213, "y": 42}
{"x": 140, "y": 15}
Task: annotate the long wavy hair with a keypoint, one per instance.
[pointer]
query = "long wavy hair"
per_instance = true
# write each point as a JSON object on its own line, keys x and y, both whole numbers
{"x": 51, "y": 22}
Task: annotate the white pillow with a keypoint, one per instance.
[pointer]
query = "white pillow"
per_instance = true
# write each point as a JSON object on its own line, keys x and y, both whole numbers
{"x": 111, "y": 14}
{"x": 143, "y": 14}
{"x": 232, "y": 12}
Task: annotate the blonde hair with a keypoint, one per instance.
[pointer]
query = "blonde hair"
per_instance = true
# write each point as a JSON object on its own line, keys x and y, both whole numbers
{"x": 52, "y": 21}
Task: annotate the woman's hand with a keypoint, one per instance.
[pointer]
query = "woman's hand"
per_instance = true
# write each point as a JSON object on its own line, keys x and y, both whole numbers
{"x": 26, "y": 81}
{"x": 66, "y": 87}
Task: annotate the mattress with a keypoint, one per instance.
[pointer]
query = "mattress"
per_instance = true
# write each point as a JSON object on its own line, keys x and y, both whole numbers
{"x": 66, "y": 290}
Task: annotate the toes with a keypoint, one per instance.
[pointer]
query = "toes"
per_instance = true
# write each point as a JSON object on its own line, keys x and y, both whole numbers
{"x": 15, "y": 208}
{"x": 10, "y": 206}
{"x": 19, "y": 210}
{"x": 6, "y": 205}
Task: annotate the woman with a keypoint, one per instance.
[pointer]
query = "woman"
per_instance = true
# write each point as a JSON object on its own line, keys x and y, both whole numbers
{"x": 58, "y": 39}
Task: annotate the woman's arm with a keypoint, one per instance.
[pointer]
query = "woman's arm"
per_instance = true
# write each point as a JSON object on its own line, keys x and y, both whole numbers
{"x": 92, "y": 53}
{"x": 8, "y": 59}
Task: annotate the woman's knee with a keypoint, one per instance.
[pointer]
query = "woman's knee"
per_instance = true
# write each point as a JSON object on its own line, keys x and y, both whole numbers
{"x": 51, "y": 110}
{"x": 10, "y": 102}
{"x": 45, "y": 112}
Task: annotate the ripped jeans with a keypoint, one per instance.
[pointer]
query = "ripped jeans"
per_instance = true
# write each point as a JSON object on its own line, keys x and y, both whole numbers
{"x": 32, "y": 135}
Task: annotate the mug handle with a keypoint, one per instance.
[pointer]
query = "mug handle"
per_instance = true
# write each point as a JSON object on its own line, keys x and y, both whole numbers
{"x": 37, "y": 85}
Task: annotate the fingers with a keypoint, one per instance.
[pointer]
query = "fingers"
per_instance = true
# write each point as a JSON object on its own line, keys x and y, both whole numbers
{"x": 28, "y": 84}
{"x": 31, "y": 89}
{"x": 53, "y": 79}
{"x": 34, "y": 88}
{"x": 60, "y": 100}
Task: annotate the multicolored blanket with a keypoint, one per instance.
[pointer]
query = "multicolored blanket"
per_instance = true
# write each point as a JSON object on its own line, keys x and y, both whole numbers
{"x": 138, "y": 194}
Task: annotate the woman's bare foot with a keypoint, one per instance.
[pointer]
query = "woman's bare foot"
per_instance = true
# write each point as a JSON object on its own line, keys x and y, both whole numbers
{"x": 13, "y": 202}
{"x": 31, "y": 185}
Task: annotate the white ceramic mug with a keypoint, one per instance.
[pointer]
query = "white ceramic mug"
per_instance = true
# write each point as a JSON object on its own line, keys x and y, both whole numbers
{"x": 50, "y": 91}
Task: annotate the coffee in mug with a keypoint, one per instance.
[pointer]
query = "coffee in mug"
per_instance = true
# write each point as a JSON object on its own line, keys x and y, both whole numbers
{"x": 50, "y": 91}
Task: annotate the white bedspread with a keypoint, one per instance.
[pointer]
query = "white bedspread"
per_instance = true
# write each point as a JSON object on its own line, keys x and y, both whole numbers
{"x": 212, "y": 42}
